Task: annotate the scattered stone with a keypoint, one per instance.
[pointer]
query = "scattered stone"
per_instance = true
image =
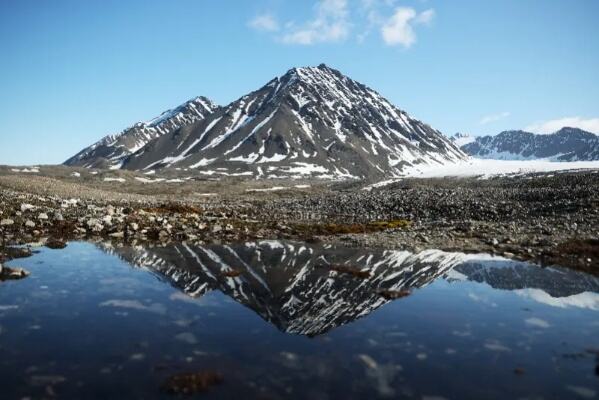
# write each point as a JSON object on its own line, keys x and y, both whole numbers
{"x": 42, "y": 216}
{"x": 27, "y": 207}
{"x": 29, "y": 224}
{"x": 6, "y": 222}
{"x": 232, "y": 273}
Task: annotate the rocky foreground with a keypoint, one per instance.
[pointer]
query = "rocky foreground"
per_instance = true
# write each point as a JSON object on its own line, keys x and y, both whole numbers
{"x": 549, "y": 219}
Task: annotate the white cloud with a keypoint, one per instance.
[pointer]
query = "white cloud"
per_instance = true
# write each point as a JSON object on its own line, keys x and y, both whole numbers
{"x": 487, "y": 119}
{"x": 336, "y": 20}
{"x": 330, "y": 24}
{"x": 425, "y": 17}
{"x": 399, "y": 28}
{"x": 264, "y": 22}
{"x": 554, "y": 125}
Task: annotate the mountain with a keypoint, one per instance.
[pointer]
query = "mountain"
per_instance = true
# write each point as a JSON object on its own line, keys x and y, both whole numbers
{"x": 300, "y": 288}
{"x": 112, "y": 150}
{"x": 311, "y": 121}
{"x": 567, "y": 144}
{"x": 460, "y": 139}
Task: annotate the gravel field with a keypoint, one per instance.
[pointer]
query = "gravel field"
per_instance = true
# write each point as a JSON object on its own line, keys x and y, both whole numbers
{"x": 546, "y": 218}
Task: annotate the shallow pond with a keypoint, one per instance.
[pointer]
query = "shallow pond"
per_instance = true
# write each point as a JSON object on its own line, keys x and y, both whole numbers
{"x": 274, "y": 320}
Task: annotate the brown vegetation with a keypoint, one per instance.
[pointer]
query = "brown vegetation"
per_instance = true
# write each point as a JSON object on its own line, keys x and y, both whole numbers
{"x": 191, "y": 383}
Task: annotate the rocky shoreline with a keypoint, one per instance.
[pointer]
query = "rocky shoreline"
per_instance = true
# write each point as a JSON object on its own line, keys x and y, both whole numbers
{"x": 547, "y": 219}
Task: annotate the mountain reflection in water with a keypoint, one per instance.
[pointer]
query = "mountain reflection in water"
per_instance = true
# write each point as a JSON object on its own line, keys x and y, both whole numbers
{"x": 291, "y": 320}
{"x": 302, "y": 289}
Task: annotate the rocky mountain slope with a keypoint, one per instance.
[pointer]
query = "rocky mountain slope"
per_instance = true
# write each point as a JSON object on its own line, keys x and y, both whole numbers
{"x": 567, "y": 144}
{"x": 310, "y": 122}
{"x": 112, "y": 150}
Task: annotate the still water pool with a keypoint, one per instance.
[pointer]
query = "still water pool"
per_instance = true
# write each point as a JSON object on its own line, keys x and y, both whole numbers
{"x": 286, "y": 320}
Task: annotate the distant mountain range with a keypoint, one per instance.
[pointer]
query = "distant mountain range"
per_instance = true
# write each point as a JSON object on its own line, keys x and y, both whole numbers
{"x": 310, "y": 122}
{"x": 567, "y": 144}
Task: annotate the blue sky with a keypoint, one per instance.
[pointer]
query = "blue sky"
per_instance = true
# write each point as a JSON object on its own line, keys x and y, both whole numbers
{"x": 73, "y": 71}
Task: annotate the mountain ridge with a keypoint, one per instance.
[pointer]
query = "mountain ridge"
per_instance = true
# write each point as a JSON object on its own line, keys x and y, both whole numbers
{"x": 567, "y": 144}
{"x": 309, "y": 122}
{"x": 113, "y": 149}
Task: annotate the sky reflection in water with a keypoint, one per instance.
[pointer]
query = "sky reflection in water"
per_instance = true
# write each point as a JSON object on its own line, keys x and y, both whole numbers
{"x": 276, "y": 321}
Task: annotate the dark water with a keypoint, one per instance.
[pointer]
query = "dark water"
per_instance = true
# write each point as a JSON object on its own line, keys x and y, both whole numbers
{"x": 275, "y": 320}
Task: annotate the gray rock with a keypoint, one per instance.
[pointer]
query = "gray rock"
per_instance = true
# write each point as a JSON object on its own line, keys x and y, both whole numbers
{"x": 6, "y": 222}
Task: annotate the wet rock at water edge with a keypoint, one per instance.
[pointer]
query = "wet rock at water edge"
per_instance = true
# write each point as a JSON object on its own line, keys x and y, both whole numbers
{"x": 54, "y": 243}
{"x": 18, "y": 252}
{"x": 8, "y": 273}
{"x": 394, "y": 294}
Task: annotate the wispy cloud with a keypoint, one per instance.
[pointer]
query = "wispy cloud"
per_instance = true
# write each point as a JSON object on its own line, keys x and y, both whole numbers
{"x": 264, "y": 22}
{"x": 399, "y": 28}
{"x": 554, "y": 125}
{"x": 335, "y": 21}
{"x": 487, "y": 119}
{"x": 330, "y": 24}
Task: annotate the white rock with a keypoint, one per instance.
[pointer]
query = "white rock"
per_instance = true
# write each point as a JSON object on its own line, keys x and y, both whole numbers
{"x": 26, "y": 207}
{"x": 6, "y": 222}
{"x": 30, "y": 224}
{"x": 42, "y": 216}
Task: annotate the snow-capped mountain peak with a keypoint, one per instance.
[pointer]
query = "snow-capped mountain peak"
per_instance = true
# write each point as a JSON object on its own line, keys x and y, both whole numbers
{"x": 461, "y": 139}
{"x": 309, "y": 122}
{"x": 567, "y": 144}
{"x": 112, "y": 150}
